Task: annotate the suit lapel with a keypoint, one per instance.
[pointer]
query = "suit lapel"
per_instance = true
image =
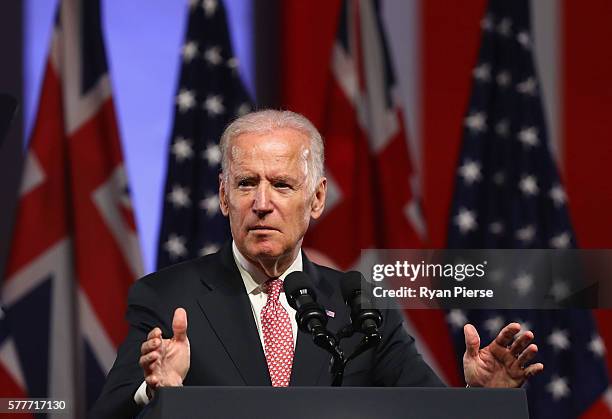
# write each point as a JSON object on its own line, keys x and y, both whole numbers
{"x": 310, "y": 362}
{"x": 227, "y": 308}
{"x": 226, "y": 305}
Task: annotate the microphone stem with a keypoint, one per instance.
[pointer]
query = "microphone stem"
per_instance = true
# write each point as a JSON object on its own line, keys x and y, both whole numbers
{"x": 324, "y": 339}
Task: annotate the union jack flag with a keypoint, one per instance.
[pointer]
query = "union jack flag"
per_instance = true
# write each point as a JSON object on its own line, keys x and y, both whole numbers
{"x": 74, "y": 251}
{"x": 210, "y": 95}
{"x": 368, "y": 166}
{"x": 373, "y": 197}
{"x": 508, "y": 194}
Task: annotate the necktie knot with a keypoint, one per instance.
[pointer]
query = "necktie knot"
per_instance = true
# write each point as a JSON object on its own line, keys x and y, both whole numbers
{"x": 273, "y": 287}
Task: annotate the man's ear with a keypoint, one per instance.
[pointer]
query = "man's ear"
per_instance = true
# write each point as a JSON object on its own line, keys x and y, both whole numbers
{"x": 318, "y": 200}
{"x": 223, "y": 196}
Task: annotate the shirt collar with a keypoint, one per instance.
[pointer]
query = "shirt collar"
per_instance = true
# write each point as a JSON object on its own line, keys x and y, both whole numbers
{"x": 252, "y": 277}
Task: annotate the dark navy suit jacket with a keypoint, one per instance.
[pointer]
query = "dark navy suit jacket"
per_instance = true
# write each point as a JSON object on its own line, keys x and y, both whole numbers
{"x": 225, "y": 345}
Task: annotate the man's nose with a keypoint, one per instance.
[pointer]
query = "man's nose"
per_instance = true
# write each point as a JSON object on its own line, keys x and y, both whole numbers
{"x": 262, "y": 203}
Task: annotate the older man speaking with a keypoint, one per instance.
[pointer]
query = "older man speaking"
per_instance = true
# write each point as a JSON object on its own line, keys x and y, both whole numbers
{"x": 241, "y": 329}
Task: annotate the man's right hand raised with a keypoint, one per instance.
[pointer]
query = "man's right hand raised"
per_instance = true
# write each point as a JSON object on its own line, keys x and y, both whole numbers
{"x": 165, "y": 362}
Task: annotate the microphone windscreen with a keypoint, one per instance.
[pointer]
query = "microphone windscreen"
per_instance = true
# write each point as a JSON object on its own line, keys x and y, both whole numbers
{"x": 296, "y": 281}
{"x": 351, "y": 282}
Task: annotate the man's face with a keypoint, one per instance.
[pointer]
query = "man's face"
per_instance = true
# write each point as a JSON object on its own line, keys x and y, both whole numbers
{"x": 267, "y": 196}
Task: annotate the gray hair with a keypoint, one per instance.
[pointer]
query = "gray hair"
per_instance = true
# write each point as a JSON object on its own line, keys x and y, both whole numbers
{"x": 269, "y": 120}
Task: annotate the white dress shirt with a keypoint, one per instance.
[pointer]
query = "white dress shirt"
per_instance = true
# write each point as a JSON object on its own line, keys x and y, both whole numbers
{"x": 253, "y": 280}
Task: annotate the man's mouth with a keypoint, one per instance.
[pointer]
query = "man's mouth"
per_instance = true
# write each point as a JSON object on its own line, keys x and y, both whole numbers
{"x": 262, "y": 228}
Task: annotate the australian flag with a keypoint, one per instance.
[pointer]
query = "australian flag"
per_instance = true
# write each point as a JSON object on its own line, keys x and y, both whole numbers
{"x": 508, "y": 194}
{"x": 210, "y": 95}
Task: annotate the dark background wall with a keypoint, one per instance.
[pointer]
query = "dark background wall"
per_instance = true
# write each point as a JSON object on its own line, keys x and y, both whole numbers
{"x": 11, "y": 43}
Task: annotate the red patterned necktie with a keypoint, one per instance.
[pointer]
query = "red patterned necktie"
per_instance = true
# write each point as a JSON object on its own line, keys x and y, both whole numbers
{"x": 277, "y": 334}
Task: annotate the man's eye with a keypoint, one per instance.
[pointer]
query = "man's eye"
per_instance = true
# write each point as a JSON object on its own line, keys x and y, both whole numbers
{"x": 245, "y": 183}
{"x": 282, "y": 185}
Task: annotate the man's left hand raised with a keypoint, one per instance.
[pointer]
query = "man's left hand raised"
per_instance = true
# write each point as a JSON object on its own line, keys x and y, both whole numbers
{"x": 504, "y": 362}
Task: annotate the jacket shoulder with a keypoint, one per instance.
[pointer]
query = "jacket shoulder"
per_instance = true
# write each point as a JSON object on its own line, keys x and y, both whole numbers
{"x": 328, "y": 272}
{"x": 181, "y": 276}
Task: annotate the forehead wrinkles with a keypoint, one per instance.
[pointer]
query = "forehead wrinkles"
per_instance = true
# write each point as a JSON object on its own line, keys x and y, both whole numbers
{"x": 267, "y": 152}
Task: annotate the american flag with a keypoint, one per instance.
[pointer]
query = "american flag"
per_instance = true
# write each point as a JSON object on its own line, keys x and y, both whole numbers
{"x": 210, "y": 95}
{"x": 74, "y": 251}
{"x": 508, "y": 194}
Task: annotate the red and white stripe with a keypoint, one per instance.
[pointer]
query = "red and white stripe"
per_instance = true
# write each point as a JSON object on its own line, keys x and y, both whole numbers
{"x": 364, "y": 136}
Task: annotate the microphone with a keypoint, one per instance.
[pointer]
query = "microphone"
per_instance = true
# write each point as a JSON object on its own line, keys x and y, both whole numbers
{"x": 310, "y": 315}
{"x": 364, "y": 318}
{"x": 311, "y": 318}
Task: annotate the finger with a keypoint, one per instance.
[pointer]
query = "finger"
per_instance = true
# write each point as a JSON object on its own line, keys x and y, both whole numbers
{"x": 147, "y": 361}
{"x": 179, "y": 324}
{"x": 521, "y": 343}
{"x": 506, "y": 335}
{"x": 528, "y": 354}
{"x": 472, "y": 340}
{"x": 155, "y": 333}
{"x": 148, "y": 369}
{"x": 534, "y": 369}
{"x": 152, "y": 381}
{"x": 150, "y": 345}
